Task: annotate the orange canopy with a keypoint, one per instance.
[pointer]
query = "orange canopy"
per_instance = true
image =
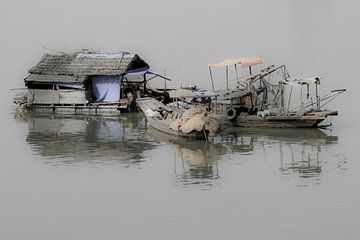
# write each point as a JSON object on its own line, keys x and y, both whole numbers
{"x": 245, "y": 62}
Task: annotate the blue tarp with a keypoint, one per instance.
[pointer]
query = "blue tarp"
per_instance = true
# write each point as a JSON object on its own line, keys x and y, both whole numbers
{"x": 106, "y": 88}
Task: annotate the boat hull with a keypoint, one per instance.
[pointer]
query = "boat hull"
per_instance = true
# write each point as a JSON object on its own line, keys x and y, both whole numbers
{"x": 162, "y": 124}
{"x": 277, "y": 122}
{"x": 310, "y": 119}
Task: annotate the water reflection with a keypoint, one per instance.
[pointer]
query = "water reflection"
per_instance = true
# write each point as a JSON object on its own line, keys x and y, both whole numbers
{"x": 299, "y": 150}
{"x": 125, "y": 139}
{"x": 295, "y": 151}
{"x": 300, "y": 153}
{"x": 194, "y": 162}
{"x": 69, "y": 139}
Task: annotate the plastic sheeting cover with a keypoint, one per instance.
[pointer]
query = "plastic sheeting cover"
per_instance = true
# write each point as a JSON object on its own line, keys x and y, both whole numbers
{"x": 106, "y": 88}
{"x": 72, "y": 85}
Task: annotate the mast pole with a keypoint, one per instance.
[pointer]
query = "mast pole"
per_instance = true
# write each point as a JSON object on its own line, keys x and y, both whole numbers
{"x": 212, "y": 80}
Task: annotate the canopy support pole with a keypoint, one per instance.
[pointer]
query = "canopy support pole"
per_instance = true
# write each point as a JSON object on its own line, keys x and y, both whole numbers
{"x": 237, "y": 75}
{"x": 212, "y": 80}
{"x": 165, "y": 88}
{"x": 121, "y": 81}
{"x": 301, "y": 96}
{"x": 282, "y": 107}
{"x": 288, "y": 106}
{"x": 317, "y": 97}
{"x": 145, "y": 84}
{"x": 227, "y": 77}
{"x": 307, "y": 91}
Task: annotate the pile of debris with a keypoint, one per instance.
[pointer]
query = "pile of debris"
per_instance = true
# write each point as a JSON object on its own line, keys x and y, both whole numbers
{"x": 20, "y": 99}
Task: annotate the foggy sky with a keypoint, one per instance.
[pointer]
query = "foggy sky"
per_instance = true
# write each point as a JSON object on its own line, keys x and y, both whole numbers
{"x": 313, "y": 38}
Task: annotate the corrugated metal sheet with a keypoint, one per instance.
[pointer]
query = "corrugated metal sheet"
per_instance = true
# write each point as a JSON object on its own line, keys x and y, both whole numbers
{"x": 55, "y": 78}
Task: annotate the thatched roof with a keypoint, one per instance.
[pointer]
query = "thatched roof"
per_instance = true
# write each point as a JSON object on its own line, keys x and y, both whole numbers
{"x": 75, "y": 67}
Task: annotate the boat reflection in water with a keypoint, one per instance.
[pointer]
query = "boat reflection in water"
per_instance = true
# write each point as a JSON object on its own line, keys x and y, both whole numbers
{"x": 194, "y": 161}
{"x": 126, "y": 140}
{"x": 297, "y": 151}
{"x": 69, "y": 139}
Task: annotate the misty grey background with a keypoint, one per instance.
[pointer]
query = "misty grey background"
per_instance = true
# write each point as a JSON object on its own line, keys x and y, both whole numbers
{"x": 251, "y": 199}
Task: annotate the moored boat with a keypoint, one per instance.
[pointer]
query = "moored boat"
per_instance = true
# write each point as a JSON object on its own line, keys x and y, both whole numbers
{"x": 265, "y": 99}
{"x": 190, "y": 123}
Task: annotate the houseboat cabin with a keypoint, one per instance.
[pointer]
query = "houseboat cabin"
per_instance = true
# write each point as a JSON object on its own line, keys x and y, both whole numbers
{"x": 87, "y": 82}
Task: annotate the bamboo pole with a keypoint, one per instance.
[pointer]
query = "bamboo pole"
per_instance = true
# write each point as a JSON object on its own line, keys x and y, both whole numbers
{"x": 212, "y": 80}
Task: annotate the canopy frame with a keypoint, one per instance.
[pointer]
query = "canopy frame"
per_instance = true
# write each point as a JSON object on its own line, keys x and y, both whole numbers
{"x": 244, "y": 62}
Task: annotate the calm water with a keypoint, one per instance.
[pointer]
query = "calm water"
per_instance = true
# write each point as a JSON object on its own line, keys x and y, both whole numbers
{"x": 64, "y": 177}
{"x": 299, "y": 156}
{"x": 83, "y": 177}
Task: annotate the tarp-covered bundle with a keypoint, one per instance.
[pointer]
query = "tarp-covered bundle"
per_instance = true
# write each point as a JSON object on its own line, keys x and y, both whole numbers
{"x": 195, "y": 119}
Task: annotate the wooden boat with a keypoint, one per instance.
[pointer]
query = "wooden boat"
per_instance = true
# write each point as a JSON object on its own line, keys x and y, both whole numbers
{"x": 306, "y": 120}
{"x": 172, "y": 121}
{"x": 264, "y": 99}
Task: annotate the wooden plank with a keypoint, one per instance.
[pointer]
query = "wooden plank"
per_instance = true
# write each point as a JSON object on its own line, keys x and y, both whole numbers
{"x": 46, "y": 96}
{"x": 41, "y": 96}
{"x": 72, "y": 97}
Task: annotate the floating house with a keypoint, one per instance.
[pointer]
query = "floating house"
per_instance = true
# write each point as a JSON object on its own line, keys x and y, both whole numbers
{"x": 87, "y": 82}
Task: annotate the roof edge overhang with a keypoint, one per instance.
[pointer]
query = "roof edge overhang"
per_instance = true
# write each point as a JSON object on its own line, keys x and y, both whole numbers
{"x": 54, "y": 78}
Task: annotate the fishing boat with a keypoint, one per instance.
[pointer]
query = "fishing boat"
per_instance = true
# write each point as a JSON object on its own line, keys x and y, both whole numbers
{"x": 189, "y": 123}
{"x": 266, "y": 98}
